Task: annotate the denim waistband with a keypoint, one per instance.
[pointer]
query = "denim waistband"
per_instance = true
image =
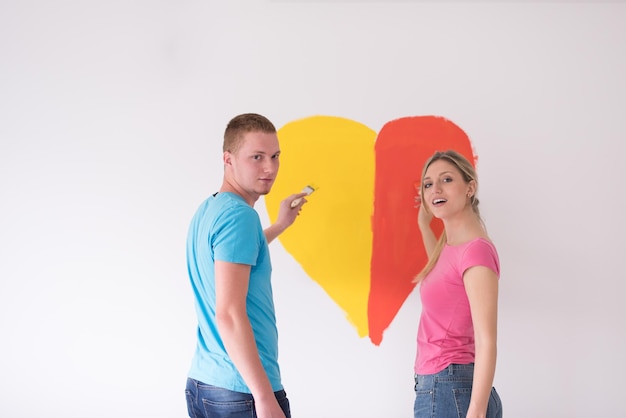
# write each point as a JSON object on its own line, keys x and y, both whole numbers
{"x": 451, "y": 370}
{"x": 458, "y": 369}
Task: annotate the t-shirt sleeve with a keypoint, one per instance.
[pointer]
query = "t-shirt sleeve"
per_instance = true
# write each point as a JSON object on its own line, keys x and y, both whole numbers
{"x": 481, "y": 253}
{"x": 236, "y": 236}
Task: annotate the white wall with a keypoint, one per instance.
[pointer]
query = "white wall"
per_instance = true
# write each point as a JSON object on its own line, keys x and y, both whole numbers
{"x": 111, "y": 115}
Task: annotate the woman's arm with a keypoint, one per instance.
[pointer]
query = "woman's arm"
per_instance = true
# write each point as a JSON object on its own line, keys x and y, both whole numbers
{"x": 423, "y": 222}
{"x": 481, "y": 285}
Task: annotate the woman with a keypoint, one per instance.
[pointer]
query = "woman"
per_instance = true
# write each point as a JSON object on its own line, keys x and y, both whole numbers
{"x": 456, "y": 340}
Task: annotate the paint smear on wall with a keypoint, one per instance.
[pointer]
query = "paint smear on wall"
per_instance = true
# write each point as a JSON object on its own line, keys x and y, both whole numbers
{"x": 332, "y": 238}
{"x": 358, "y": 236}
{"x": 402, "y": 148}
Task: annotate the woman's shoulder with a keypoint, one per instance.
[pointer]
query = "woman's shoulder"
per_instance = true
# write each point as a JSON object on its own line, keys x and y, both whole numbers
{"x": 480, "y": 251}
{"x": 479, "y": 241}
{"x": 480, "y": 244}
{"x": 482, "y": 241}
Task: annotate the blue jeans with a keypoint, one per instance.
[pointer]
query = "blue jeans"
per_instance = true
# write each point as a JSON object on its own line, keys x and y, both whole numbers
{"x": 447, "y": 394}
{"x": 206, "y": 401}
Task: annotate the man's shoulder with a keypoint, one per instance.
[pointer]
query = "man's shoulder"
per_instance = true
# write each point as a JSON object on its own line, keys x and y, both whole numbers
{"x": 231, "y": 208}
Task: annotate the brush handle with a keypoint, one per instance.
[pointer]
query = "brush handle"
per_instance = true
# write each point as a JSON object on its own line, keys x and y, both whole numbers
{"x": 308, "y": 190}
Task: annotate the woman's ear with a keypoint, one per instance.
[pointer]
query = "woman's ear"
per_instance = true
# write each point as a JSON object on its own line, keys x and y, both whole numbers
{"x": 472, "y": 188}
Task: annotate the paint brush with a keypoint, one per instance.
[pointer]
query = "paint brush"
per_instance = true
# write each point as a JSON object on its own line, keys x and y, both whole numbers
{"x": 310, "y": 188}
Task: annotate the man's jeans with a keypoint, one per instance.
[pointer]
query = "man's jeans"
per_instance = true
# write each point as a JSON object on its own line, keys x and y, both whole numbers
{"x": 206, "y": 401}
{"x": 447, "y": 394}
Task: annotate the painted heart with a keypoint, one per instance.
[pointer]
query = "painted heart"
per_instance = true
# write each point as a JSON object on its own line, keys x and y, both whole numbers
{"x": 358, "y": 236}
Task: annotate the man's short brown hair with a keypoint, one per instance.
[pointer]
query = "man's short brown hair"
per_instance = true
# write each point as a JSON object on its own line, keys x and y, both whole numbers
{"x": 242, "y": 124}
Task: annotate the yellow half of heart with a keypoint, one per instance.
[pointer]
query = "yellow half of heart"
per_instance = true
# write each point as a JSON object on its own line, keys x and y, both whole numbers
{"x": 332, "y": 237}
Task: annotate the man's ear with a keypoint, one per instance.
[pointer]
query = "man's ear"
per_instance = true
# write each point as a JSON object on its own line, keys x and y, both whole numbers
{"x": 227, "y": 157}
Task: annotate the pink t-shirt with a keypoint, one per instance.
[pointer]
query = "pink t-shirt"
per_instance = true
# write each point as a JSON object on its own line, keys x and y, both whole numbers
{"x": 446, "y": 332}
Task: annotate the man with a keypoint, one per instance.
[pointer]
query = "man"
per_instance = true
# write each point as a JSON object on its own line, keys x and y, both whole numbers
{"x": 235, "y": 370}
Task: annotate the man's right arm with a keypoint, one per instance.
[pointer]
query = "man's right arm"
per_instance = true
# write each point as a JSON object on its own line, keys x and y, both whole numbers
{"x": 231, "y": 289}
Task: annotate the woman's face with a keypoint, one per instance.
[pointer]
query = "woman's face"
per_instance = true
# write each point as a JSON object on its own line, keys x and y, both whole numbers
{"x": 445, "y": 190}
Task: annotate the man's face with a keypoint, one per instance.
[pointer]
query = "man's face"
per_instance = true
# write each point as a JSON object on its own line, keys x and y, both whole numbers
{"x": 255, "y": 164}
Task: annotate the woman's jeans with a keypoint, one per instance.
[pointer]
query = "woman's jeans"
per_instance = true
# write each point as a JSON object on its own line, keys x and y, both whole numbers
{"x": 206, "y": 401}
{"x": 447, "y": 394}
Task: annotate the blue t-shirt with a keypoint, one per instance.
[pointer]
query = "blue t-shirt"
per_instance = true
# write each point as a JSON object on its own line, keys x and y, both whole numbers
{"x": 226, "y": 228}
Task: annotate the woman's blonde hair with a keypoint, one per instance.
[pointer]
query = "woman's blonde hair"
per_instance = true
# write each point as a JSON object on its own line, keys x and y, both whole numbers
{"x": 469, "y": 174}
